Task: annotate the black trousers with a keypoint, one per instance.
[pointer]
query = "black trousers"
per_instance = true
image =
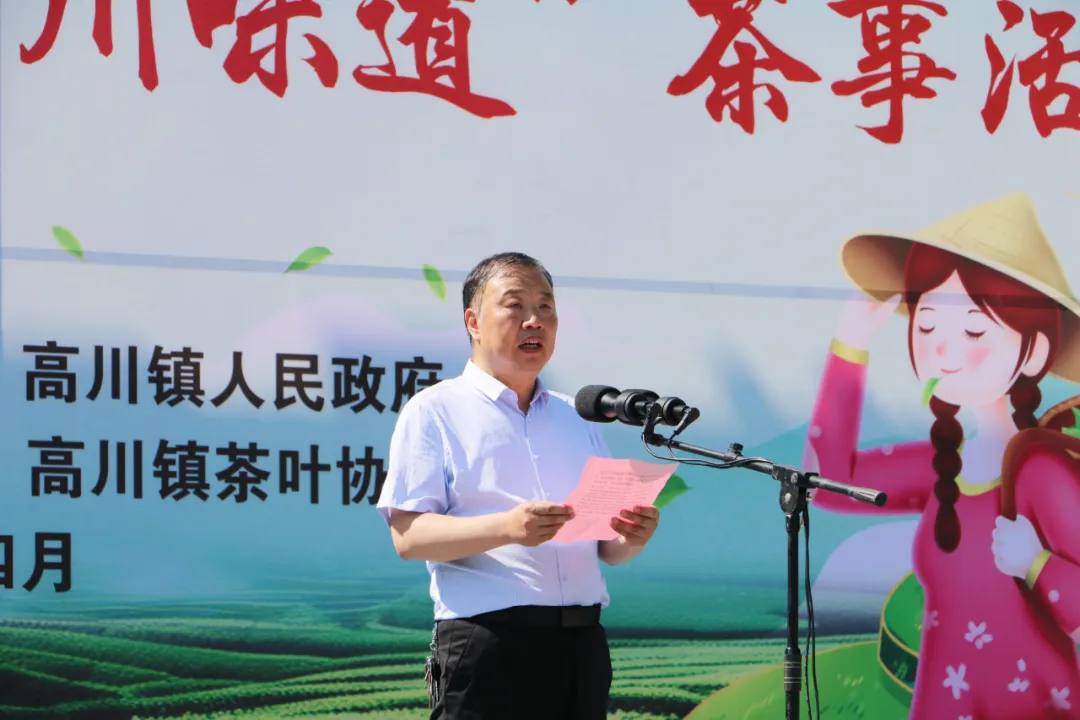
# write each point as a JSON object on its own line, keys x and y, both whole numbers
{"x": 494, "y": 669}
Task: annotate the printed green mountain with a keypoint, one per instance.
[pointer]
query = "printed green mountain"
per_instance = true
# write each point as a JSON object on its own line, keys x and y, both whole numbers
{"x": 870, "y": 680}
{"x": 850, "y": 685}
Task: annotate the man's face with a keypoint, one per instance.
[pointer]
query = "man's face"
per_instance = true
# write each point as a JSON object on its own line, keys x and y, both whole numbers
{"x": 515, "y": 328}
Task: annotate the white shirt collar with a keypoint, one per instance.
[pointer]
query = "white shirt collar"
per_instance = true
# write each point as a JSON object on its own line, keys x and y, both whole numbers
{"x": 493, "y": 388}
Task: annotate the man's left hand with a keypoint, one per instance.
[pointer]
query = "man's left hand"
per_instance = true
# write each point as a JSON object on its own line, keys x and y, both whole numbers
{"x": 637, "y": 524}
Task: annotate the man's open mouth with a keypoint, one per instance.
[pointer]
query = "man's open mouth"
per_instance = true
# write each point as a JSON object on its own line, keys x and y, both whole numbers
{"x": 531, "y": 344}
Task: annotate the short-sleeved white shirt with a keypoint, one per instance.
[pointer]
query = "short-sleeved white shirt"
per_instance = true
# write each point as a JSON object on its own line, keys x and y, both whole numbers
{"x": 463, "y": 448}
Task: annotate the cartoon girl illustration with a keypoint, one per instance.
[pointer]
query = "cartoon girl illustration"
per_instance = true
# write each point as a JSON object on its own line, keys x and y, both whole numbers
{"x": 997, "y": 547}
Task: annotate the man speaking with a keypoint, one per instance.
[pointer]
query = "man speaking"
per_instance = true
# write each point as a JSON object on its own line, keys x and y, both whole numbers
{"x": 478, "y": 467}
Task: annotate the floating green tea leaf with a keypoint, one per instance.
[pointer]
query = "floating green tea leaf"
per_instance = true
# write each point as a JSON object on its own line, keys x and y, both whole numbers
{"x": 68, "y": 241}
{"x": 928, "y": 390}
{"x": 435, "y": 281}
{"x": 309, "y": 258}
{"x": 674, "y": 487}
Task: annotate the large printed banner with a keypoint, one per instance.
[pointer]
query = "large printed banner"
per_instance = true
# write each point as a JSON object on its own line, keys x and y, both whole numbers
{"x": 232, "y": 240}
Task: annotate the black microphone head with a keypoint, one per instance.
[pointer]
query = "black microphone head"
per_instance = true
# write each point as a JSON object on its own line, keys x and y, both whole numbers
{"x": 587, "y": 402}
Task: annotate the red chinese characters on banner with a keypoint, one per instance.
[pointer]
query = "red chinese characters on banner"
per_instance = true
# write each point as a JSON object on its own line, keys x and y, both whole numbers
{"x": 887, "y": 28}
{"x": 1046, "y": 65}
{"x": 439, "y": 36}
{"x": 209, "y": 15}
{"x": 206, "y": 16}
{"x": 103, "y": 36}
{"x": 244, "y": 62}
{"x": 734, "y": 85}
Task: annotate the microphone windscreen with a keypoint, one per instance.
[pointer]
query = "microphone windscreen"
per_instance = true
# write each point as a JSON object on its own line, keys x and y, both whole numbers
{"x": 587, "y": 402}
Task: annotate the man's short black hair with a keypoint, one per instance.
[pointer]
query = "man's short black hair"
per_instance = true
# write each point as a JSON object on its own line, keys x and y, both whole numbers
{"x": 491, "y": 266}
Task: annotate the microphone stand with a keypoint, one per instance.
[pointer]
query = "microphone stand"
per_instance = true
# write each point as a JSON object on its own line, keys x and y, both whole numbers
{"x": 794, "y": 487}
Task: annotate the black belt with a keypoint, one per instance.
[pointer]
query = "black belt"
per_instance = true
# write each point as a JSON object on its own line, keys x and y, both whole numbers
{"x": 568, "y": 616}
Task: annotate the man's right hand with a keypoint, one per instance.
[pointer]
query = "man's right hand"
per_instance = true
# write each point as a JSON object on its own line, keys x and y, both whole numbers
{"x": 533, "y": 523}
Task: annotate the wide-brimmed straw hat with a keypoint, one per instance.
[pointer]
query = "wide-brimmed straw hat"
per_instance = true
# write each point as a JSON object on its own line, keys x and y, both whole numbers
{"x": 1003, "y": 234}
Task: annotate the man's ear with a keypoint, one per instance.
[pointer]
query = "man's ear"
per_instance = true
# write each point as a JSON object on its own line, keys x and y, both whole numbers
{"x": 472, "y": 324}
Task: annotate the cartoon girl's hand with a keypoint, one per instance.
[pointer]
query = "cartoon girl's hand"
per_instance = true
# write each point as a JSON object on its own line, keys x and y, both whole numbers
{"x": 862, "y": 319}
{"x": 1015, "y": 545}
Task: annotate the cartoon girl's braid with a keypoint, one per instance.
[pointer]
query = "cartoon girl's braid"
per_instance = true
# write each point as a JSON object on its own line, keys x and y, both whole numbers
{"x": 1025, "y": 396}
{"x": 946, "y": 434}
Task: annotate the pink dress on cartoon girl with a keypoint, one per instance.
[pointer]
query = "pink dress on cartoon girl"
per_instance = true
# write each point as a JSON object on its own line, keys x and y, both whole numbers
{"x": 992, "y": 648}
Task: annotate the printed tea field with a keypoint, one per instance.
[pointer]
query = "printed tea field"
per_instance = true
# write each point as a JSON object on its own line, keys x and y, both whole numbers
{"x": 279, "y": 655}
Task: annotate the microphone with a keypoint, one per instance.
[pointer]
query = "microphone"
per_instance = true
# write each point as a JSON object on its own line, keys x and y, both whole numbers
{"x": 604, "y": 404}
